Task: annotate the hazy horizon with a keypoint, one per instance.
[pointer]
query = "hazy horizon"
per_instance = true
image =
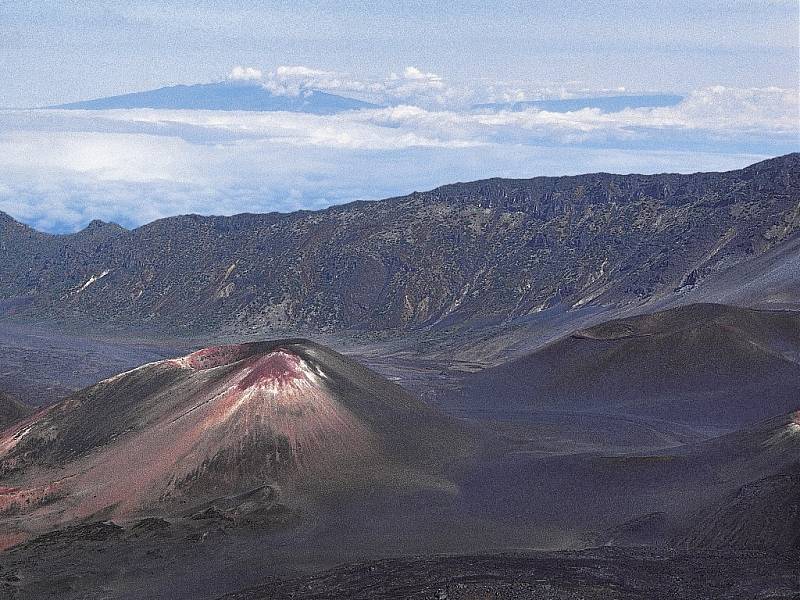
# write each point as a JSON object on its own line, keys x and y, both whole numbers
{"x": 425, "y": 65}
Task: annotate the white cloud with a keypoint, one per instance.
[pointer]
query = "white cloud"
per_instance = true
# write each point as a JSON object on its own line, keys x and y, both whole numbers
{"x": 239, "y": 73}
{"x": 732, "y": 116}
{"x": 301, "y": 71}
{"x": 411, "y": 85}
{"x": 103, "y": 156}
{"x": 415, "y": 73}
{"x": 736, "y": 109}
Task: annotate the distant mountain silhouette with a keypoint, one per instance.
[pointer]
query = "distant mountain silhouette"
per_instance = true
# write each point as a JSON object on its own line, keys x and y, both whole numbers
{"x": 604, "y": 103}
{"x": 226, "y": 95}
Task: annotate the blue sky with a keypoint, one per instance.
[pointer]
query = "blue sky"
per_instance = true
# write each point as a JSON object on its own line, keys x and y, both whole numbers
{"x": 735, "y": 61}
{"x": 55, "y": 52}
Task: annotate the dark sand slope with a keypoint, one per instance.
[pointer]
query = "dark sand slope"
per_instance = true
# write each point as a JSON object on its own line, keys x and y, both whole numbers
{"x": 12, "y": 410}
{"x": 764, "y": 514}
{"x": 770, "y": 280}
{"x": 702, "y": 364}
{"x": 729, "y": 540}
{"x": 623, "y": 499}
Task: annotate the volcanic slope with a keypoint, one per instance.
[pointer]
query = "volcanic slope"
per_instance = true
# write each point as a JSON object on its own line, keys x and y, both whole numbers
{"x": 702, "y": 364}
{"x": 11, "y": 410}
{"x": 290, "y": 416}
{"x": 665, "y": 497}
{"x": 764, "y": 513}
{"x": 737, "y": 491}
{"x": 769, "y": 280}
{"x": 670, "y": 496}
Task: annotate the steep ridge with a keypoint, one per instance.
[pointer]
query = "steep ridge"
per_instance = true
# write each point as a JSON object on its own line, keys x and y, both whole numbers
{"x": 290, "y": 415}
{"x": 704, "y": 364}
{"x": 479, "y": 252}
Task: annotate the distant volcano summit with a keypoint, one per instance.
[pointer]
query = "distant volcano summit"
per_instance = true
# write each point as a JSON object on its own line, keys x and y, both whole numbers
{"x": 225, "y": 95}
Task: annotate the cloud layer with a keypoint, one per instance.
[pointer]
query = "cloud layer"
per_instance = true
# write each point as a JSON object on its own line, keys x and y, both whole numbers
{"x": 63, "y": 168}
{"x": 409, "y": 85}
